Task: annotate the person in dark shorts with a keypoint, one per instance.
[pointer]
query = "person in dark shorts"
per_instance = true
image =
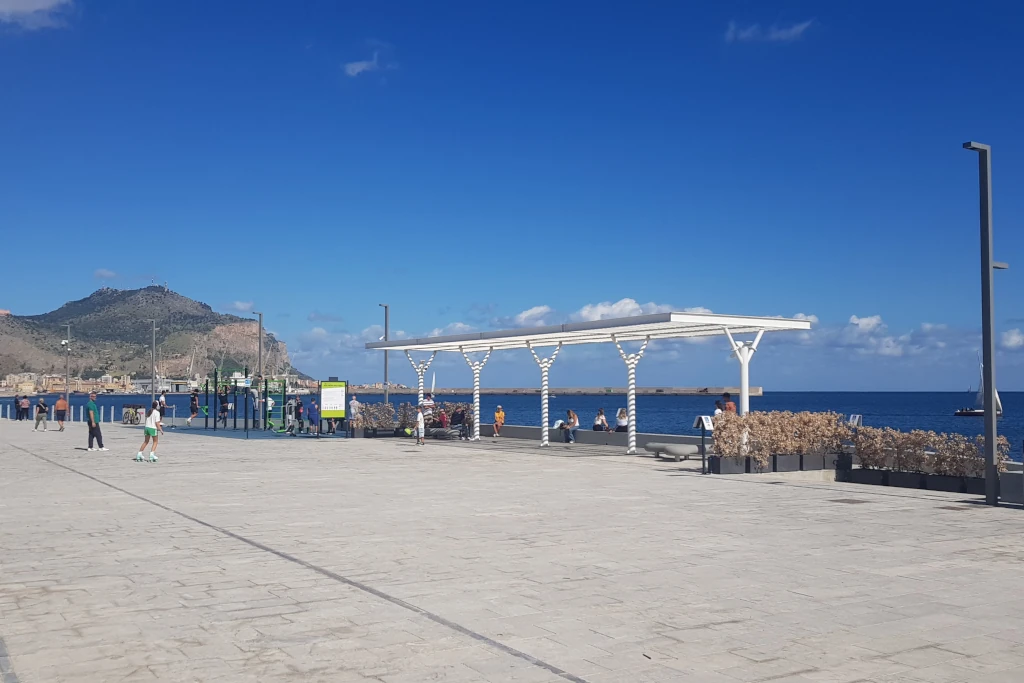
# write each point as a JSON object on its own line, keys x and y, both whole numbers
{"x": 193, "y": 407}
{"x": 60, "y": 411}
{"x": 300, "y": 412}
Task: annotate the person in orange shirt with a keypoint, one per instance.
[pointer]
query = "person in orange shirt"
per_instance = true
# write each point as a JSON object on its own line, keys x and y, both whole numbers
{"x": 730, "y": 407}
{"x": 60, "y": 411}
{"x": 499, "y": 421}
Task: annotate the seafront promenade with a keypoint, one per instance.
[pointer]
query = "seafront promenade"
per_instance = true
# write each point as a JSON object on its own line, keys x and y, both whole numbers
{"x": 342, "y": 560}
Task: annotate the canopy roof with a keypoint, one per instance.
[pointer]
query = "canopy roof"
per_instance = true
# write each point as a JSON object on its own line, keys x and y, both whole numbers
{"x": 635, "y": 328}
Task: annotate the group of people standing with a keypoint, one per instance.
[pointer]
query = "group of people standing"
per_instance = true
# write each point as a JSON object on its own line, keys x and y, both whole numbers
{"x": 23, "y": 411}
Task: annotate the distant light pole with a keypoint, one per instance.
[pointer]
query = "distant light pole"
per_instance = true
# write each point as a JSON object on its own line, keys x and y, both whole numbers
{"x": 988, "y": 332}
{"x": 67, "y": 363}
{"x": 387, "y": 385}
{"x": 259, "y": 368}
{"x": 152, "y": 381}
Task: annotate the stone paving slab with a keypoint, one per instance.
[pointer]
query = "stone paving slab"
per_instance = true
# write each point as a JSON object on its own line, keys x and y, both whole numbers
{"x": 352, "y": 560}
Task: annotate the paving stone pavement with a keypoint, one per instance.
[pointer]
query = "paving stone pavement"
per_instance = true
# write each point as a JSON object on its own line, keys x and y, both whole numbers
{"x": 373, "y": 560}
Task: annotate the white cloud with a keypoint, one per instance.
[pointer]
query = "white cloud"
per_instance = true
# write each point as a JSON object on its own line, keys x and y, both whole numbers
{"x": 735, "y": 33}
{"x": 624, "y": 308}
{"x": 450, "y": 329}
{"x": 867, "y": 324}
{"x": 353, "y": 69}
{"x": 34, "y": 14}
{"x": 811, "y": 318}
{"x": 103, "y": 273}
{"x": 241, "y": 306}
{"x": 533, "y": 317}
{"x": 785, "y": 34}
{"x": 1013, "y": 339}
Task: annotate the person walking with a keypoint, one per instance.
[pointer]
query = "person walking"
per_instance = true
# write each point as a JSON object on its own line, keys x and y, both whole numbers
{"x": 153, "y": 425}
{"x": 163, "y": 404}
{"x": 25, "y": 406}
{"x": 354, "y": 406}
{"x": 41, "y": 410}
{"x": 420, "y": 427}
{"x": 60, "y": 411}
{"x": 300, "y": 413}
{"x": 92, "y": 415}
{"x": 193, "y": 407}
{"x": 16, "y": 413}
{"x": 314, "y": 416}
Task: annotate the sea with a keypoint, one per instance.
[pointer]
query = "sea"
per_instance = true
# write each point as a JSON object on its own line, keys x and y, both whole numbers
{"x": 675, "y": 414}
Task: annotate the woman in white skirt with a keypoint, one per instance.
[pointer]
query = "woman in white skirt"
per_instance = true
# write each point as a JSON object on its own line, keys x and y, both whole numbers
{"x": 153, "y": 426}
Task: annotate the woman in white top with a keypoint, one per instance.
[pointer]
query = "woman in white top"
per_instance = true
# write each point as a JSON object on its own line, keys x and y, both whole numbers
{"x": 622, "y": 421}
{"x": 601, "y": 422}
{"x": 153, "y": 425}
{"x": 572, "y": 423}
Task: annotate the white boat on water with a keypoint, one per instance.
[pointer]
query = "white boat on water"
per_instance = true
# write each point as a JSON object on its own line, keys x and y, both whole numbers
{"x": 979, "y": 401}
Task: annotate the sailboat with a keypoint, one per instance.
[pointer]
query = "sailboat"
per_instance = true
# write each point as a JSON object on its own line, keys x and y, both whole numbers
{"x": 979, "y": 402}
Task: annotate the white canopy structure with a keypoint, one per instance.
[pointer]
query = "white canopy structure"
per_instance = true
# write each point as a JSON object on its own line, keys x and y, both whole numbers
{"x": 641, "y": 328}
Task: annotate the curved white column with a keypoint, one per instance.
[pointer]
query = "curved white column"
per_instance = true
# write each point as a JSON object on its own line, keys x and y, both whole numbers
{"x": 545, "y": 365}
{"x": 421, "y": 369}
{"x": 632, "y": 360}
{"x": 476, "y": 367}
{"x": 744, "y": 351}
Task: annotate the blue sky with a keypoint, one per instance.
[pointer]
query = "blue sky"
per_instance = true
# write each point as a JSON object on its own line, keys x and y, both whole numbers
{"x": 483, "y": 165}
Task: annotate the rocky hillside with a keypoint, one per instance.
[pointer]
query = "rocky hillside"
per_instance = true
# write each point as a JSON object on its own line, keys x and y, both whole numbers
{"x": 109, "y": 333}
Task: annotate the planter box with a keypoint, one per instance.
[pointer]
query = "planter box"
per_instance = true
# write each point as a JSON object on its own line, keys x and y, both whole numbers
{"x": 785, "y": 463}
{"x": 862, "y": 476}
{"x": 813, "y": 462}
{"x": 844, "y": 462}
{"x": 907, "y": 480}
{"x": 974, "y": 485}
{"x": 913, "y": 480}
{"x": 720, "y": 465}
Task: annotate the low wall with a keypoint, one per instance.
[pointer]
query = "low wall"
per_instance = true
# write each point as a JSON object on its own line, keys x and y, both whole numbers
{"x": 590, "y": 437}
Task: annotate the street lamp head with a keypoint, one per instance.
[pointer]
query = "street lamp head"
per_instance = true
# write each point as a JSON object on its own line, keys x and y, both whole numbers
{"x": 977, "y": 146}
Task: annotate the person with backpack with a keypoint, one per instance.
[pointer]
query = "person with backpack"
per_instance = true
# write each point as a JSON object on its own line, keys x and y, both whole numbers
{"x": 41, "y": 409}
{"x": 153, "y": 425}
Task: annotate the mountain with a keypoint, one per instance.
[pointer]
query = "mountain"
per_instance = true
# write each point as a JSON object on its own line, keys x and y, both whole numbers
{"x": 110, "y": 333}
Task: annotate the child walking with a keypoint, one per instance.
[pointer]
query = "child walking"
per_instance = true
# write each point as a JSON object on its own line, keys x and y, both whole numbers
{"x": 153, "y": 424}
{"x": 419, "y": 427}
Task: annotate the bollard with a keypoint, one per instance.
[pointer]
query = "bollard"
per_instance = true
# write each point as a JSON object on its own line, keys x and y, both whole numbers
{"x": 102, "y": 408}
{"x": 81, "y": 412}
{"x": 51, "y": 413}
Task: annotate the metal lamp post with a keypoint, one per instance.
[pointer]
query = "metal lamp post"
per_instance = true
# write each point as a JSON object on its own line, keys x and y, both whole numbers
{"x": 387, "y": 321}
{"x": 987, "y": 317}
{"x": 259, "y": 373}
{"x": 67, "y": 364}
{"x": 152, "y": 381}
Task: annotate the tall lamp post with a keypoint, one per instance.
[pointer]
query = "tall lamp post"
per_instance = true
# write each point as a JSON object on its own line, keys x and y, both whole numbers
{"x": 259, "y": 370}
{"x": 67, "y": 364}
{"x": 987, "y": 317}
{"x": 152, "y": 381}
{"x": 387, "y": 322}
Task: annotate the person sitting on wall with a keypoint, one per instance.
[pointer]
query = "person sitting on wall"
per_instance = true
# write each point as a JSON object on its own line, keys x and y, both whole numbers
{"x": 730, "y": 407}
{"x": 442, "y": 419}
{"x": 570, "y": 426}
{"x": 601, "y": 422}
{"x": 458, "y": 417}
{"x": 499, "y": 421}
{"x": 622, "y": 421}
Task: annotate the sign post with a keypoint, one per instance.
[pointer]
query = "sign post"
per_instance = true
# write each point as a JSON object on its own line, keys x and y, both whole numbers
{"x": 333, "y": 402}
{"x": 706, "y": 425}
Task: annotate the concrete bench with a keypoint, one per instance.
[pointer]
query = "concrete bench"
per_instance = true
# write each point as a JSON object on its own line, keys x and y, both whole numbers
{"x": 677, "y": 450}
